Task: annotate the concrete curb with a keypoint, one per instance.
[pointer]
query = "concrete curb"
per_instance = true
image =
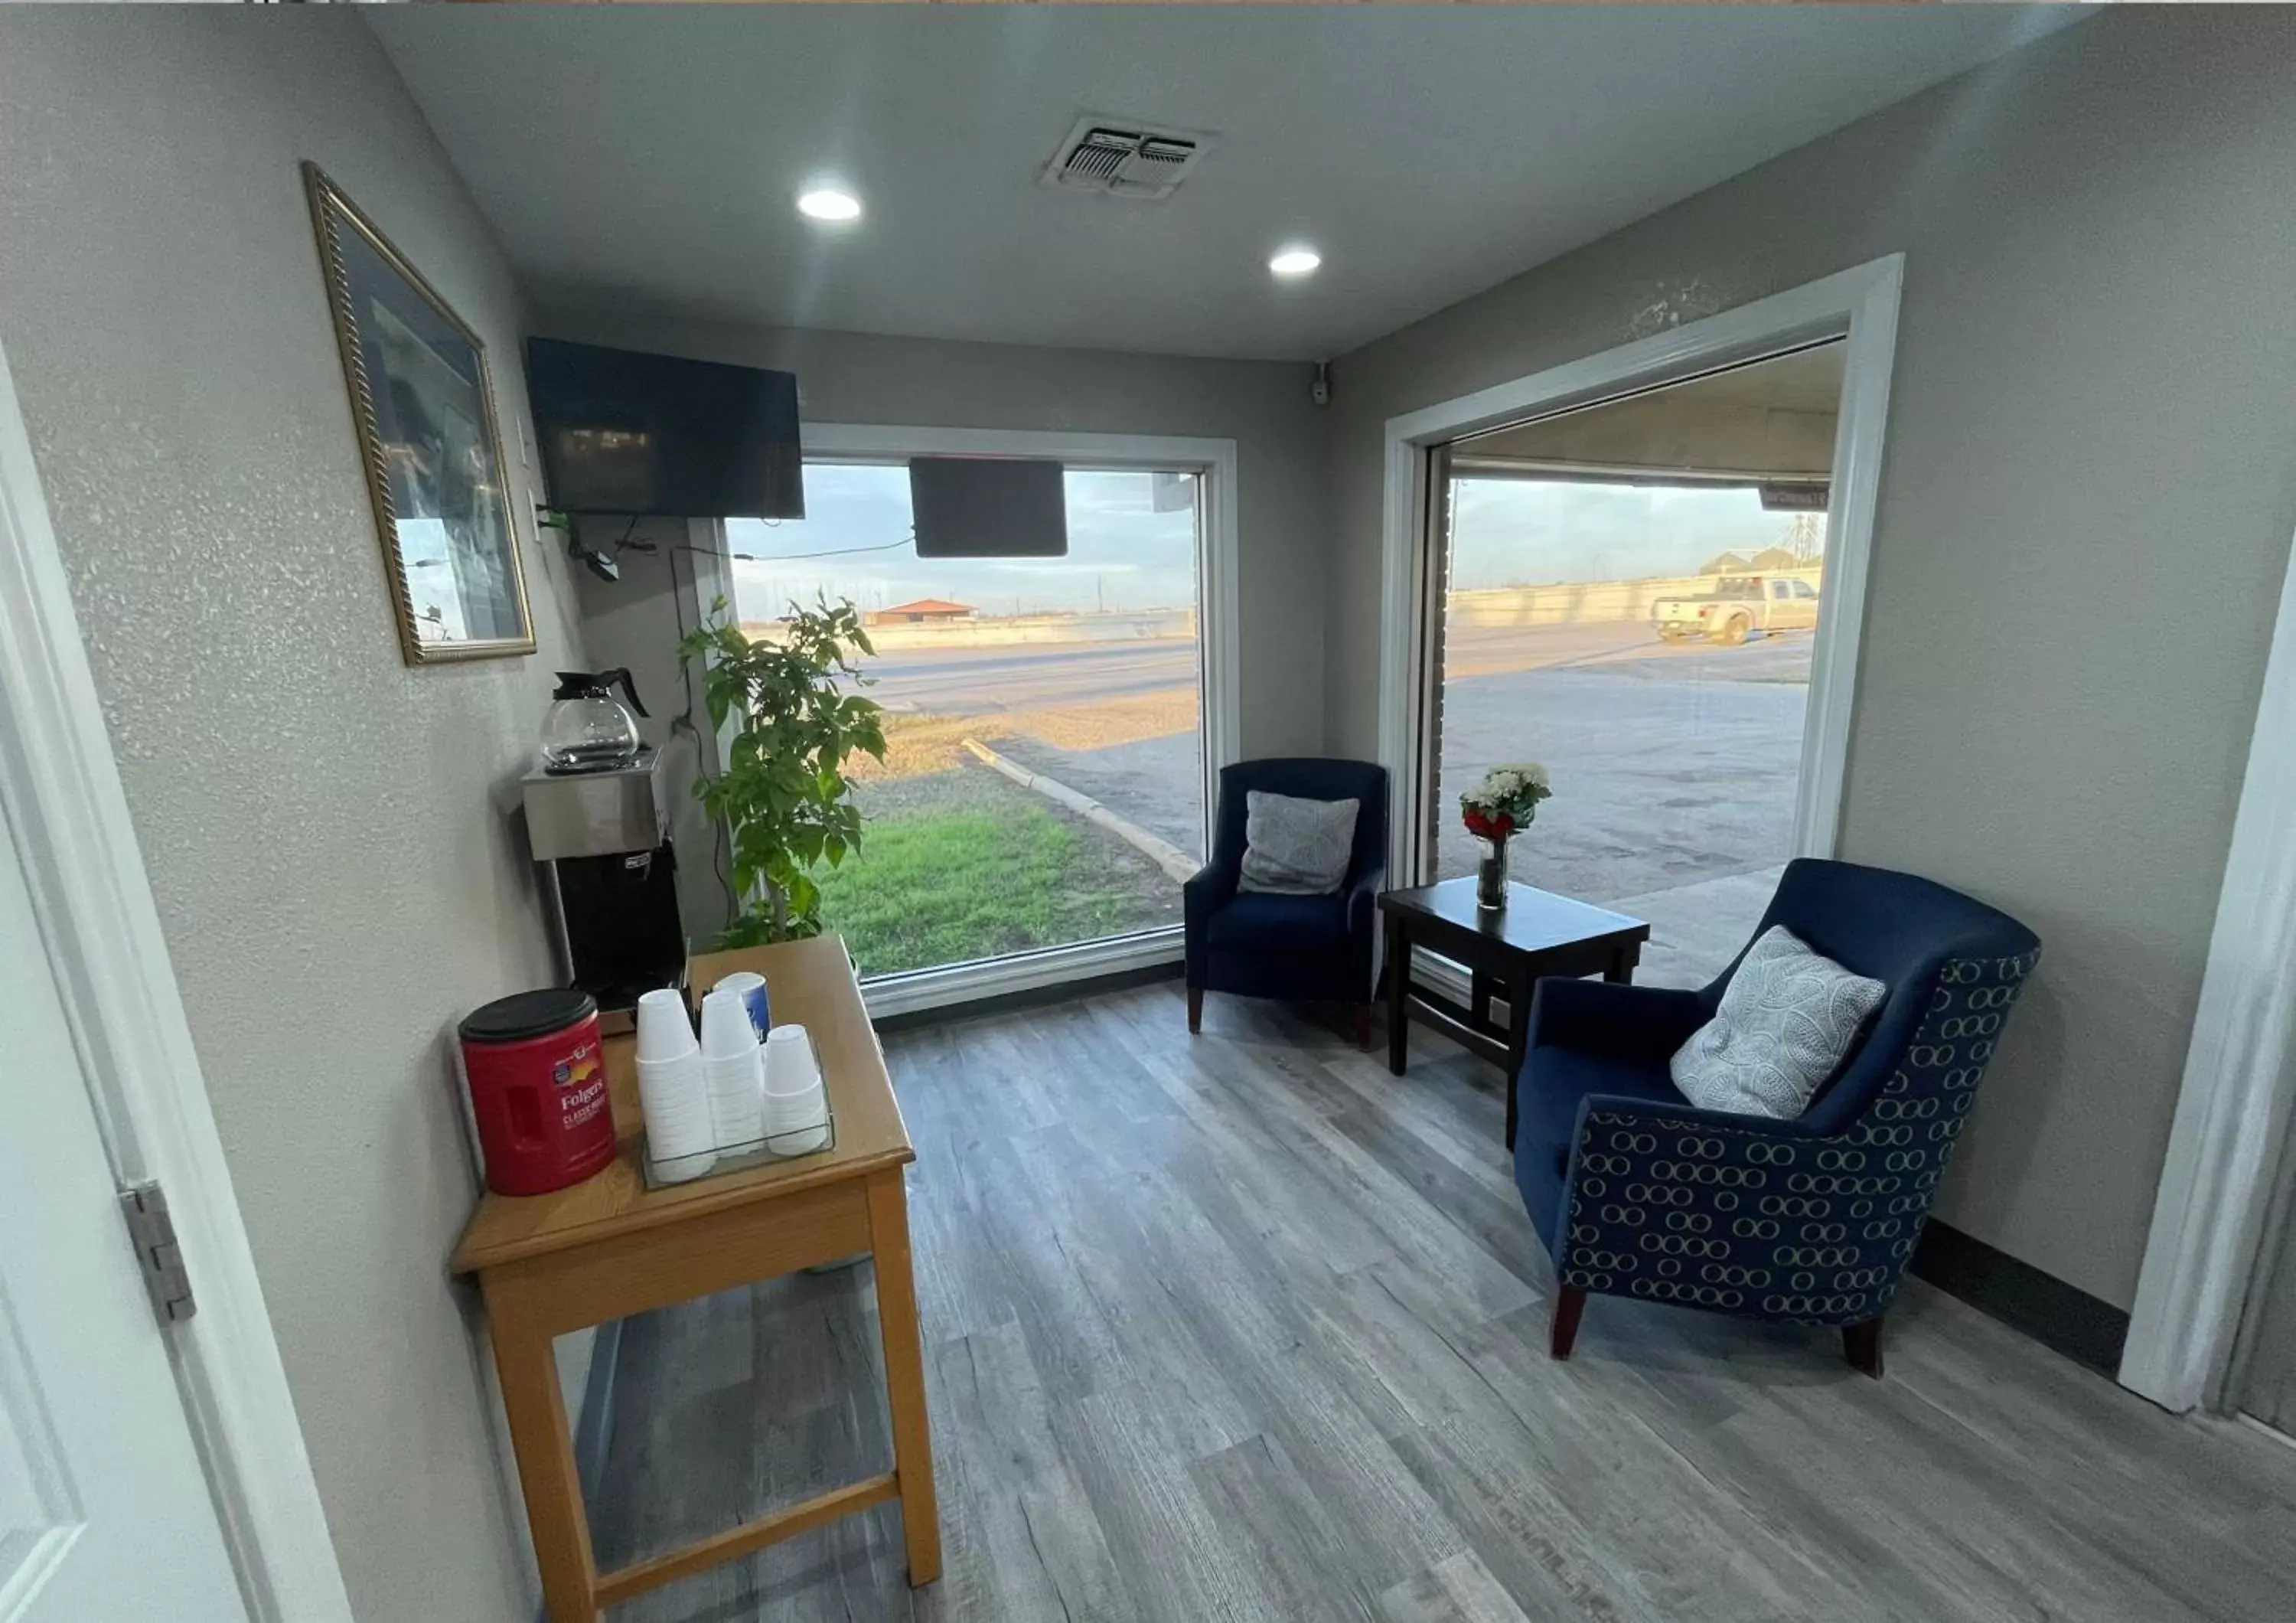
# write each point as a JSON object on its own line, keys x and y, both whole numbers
{"x": 1175, "y": 863}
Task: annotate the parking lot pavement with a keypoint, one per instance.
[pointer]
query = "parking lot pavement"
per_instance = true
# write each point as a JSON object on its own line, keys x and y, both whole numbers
{"x": 1697, "y": 928}
{"x": 1659, "y": 779}
{"x": 1673, "y": 765}
{"x": 1659, "y": 783}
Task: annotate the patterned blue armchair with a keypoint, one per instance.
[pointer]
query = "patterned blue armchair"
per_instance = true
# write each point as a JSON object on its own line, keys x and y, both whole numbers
{"x": 1636, "y": 1192}
{"x": 1304, "y": 948}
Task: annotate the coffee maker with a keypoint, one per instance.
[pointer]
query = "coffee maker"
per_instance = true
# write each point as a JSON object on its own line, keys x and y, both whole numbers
{"x": 609, "y": 881}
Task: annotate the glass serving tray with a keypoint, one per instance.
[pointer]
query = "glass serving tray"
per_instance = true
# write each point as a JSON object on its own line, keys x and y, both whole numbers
{"x": 741, "y": 1158}
{"x": 749, "y": 1152}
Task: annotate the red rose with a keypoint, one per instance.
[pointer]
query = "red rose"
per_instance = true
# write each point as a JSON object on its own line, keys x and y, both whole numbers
{"x": 1487, "y": 825}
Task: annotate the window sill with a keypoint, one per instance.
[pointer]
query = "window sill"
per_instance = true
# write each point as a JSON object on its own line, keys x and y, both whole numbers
{"x": 914, "y": 991}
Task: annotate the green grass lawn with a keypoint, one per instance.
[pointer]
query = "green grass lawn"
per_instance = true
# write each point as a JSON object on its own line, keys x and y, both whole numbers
{"x": 942, "y": 885}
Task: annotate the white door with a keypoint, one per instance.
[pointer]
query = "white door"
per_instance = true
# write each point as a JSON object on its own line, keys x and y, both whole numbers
{"x": 104, "y": 1514}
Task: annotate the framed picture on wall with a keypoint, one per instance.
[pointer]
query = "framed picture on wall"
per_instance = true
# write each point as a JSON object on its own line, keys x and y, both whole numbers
{"x": 423, "y": 403}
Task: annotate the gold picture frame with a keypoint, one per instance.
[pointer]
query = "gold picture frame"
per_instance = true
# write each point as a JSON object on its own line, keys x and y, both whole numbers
{"x": 423, "y": 402}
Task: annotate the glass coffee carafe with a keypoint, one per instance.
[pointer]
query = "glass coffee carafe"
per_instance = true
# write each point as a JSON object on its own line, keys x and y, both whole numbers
{"x": 589, "y": 729}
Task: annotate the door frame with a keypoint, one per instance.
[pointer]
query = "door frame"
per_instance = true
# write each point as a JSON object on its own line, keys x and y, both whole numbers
{"x": 2229, "y": 1139}
{"x": 1219, "y": 658}
{"x": 1859, "y": 305}
{"x": 61, "y": 792}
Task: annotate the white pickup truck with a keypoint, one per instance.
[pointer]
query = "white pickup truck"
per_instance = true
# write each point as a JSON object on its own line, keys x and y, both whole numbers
{"x": 1738, "y": 606}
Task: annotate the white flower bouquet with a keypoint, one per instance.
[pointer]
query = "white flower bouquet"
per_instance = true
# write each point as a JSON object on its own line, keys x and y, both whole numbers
{"x": 1506, "y": 800}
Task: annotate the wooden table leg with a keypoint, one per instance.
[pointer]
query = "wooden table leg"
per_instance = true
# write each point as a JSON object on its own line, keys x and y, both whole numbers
{"x": 546, "y": 1472}
{"x": 1398, "y": 994}
{"x": 1621, "y": 972}
{"x": 1478, "y": 996}
{"x": 905, "y": 1373}
{"x": 1518, "y": 1044}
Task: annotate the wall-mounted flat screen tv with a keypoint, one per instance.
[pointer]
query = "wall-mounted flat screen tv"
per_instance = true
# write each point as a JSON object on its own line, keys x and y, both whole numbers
{"x": 627, "y": 433}
{"x": 988, "y": 508}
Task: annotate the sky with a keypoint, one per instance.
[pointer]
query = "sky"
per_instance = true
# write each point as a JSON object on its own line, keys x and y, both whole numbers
{"x": 1122, "y": 554}
{"x": 1516, "y": 532}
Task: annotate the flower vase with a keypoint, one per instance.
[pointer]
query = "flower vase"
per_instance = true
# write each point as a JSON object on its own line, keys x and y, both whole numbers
{"x": 1492, "y": 874}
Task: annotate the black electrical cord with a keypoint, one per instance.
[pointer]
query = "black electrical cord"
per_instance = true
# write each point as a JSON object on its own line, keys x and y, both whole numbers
{"x": 792, "y": 558}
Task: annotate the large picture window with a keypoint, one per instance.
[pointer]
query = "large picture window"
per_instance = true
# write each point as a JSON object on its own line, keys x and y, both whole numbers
{"x": 1629, "y": 593}
{"x": 1044, "y": 781}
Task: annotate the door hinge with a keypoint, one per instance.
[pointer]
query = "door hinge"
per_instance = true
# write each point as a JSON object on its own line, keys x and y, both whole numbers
{"x": 157, "y": 1254}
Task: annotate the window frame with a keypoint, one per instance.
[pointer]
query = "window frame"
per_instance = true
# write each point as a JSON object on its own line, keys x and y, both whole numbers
{"x": 1859, "y": 305}
{"x": 1218, "y": 658}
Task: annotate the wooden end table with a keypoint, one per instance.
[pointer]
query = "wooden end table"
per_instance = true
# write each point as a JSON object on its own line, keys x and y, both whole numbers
{"x": 609, "y": 1246}
{"x": 1537, "y": 933}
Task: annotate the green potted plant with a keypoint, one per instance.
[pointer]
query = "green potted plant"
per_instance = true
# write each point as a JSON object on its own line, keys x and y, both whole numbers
{"x": 784, "y": 794}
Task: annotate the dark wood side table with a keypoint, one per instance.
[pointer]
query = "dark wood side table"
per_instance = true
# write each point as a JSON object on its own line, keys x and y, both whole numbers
{"x": 1537, "y": 933}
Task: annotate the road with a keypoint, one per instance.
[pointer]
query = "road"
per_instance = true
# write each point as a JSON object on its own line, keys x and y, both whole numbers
{"x": 983, "y": 681}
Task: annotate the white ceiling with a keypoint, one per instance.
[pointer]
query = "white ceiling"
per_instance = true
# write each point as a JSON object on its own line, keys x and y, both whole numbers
{"x": 651, "y": 154}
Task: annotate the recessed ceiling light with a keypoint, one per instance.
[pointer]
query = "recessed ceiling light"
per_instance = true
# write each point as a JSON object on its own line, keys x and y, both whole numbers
{"x": 828, "y": 202}
{"x": 1298, "y": 261}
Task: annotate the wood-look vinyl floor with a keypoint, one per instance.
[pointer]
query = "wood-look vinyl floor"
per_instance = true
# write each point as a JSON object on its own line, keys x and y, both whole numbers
{"x": 1243, "y": 1327}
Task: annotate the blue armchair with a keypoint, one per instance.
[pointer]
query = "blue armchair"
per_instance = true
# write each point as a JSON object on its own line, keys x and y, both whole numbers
{"x": 1636, "y": 1192}
{"x": 1305, "y": 948}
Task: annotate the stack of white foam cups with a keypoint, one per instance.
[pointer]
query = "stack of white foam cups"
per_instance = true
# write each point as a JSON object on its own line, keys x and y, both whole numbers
{"x": 731, "y": 1070}
{"x": 681, "y": 1138}
{"x": 796, "y": 1105}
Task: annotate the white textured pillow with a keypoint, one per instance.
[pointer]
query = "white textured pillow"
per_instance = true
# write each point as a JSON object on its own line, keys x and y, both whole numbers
{"x": 1295, "y": 847}
{"x": 1785, "y": 1021}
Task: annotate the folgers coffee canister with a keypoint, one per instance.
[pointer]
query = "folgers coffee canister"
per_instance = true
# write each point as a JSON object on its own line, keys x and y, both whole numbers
{"x": 539, "y": 1090}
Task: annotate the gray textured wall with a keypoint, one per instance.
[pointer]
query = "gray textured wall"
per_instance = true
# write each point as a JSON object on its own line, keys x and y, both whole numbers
{"x": 322, "y": 824}
{"x": 2086, "y": 508}
{"x": 850, "y": 377}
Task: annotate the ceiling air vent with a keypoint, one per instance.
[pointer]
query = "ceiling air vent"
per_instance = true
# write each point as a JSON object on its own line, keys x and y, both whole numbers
{"x": 1123, "y": 159}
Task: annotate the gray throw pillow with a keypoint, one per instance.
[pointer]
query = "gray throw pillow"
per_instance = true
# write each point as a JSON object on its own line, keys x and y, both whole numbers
{"x": 1786, "y": 1019}
{"x": 1295, "y": 847}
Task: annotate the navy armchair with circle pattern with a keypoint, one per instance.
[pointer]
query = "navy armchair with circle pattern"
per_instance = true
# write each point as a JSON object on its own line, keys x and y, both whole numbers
{"x": 1303, "y": 948}
{"x": 1636, "y": 1192}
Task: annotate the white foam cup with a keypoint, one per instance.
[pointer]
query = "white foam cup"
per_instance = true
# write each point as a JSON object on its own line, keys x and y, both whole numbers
{"x": 789, "y": 1066}
{"x": 796, "y": 1101}
{"x": 726, "y": 1028}
{"x": 664, "y": 1030}
{"x": 735, "y": 1099}
{"x": 680, "y": 1138}
{"x": 751, "y": 986}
